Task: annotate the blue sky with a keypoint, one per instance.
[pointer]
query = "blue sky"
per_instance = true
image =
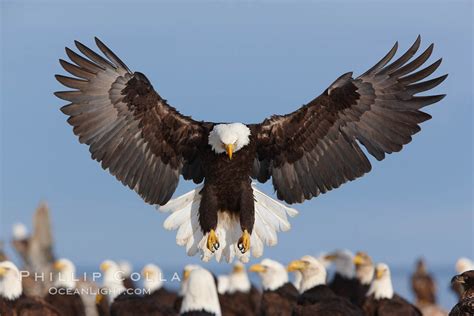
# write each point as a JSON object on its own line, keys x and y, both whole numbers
{"x": 229, "y": 61}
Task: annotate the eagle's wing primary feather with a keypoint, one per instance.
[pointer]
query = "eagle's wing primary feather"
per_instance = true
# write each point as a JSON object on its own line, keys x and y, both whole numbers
{"x": 315, "y": 149}
{"x": 129, "y": 128}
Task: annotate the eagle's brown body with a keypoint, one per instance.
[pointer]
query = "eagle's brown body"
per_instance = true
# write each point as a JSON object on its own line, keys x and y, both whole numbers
{"x": 27, "y": 306}
{"x": 393, "y": 306}
{"x": 227, "y": 187}
{"x": 321, "y": 300}
{"x": 67, "y": 304}
{"x": 279, "y": 302}
{"x": 240, "y": 303}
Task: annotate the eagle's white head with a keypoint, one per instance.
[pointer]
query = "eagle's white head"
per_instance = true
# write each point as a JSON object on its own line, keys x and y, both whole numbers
{"x": 112, "y": 279}
{"x": 272, "y": 273}
{"x": 200, "y": 293}
{"x": 344, "y": 261}
{"x": 10, "y": 281}
{"x": 463, "y": 265}
{"x": 186, "y": 272}
{"x": 152, "y": 277}
{"x": 312, "y": 271}
{"x": 239, "y": 280}
{"x": 381, "y": 286}
{"x": 66, "y": 273}
{"x": 19, "y": 231}
{"x": 229, "y": 138}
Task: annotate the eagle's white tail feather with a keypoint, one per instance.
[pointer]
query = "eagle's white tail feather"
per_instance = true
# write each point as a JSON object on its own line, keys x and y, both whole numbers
{"x": 257, "y": 245}
{"x": 180, "y": 201}
{"x": 273, "y": 211}
{"x": 176, "y": 219}
{"x": 193, "y": 241}
{"x": 270, "y": 218}
{"x": 188, "y": 228}
{"x": 264, "y": 231}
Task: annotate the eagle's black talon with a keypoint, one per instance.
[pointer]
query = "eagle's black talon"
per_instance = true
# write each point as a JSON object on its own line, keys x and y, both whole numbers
{"x": 244, "y": 242}
{"x": 212, "y": 241}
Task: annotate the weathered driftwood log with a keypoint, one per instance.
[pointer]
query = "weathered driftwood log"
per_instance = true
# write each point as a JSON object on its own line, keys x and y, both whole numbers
{"x": 36, "y": 252}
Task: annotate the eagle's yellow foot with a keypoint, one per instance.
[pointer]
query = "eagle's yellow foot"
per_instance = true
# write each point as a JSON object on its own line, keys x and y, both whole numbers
{"x": 212, "y": 241}
{"x": 244, "y": 242}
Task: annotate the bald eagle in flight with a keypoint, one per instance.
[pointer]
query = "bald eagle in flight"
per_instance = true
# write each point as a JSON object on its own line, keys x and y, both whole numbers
{"x": 147, "y": 144}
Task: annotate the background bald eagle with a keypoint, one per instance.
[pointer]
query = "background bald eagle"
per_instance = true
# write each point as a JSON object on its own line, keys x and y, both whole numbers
{"x": 148, "y": 144}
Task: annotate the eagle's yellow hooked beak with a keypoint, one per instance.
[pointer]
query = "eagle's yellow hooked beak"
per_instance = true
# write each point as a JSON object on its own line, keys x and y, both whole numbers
{"x": 147, "y": 273}
{"x": 104, "y": 266}
{"x": 58, "y": 265}
{"x": 358, "y": 260}
{"x": 296, "y": 265}
{"x": 378, "y": 274}
{"x": 186, "y": 274}
{"x": 98, "y": 298}
{"x": 257, "y": 268}
{"x": 230, "y": 150}
{"x": 330, "y": 257}
{"x": 238, "y": 269}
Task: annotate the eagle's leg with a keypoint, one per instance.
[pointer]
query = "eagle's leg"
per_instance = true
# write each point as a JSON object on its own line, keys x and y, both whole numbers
{"x": 208, "y": 217}
{"x": 244, "y": 242}
{"x": 247, "y": 218}
{"x": 212, "y": 241}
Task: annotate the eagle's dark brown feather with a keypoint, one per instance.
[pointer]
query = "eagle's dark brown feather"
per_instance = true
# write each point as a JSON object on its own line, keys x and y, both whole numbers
{"x": 67, "y": 304}
{"x": 27, "y": 306}
{"x": 130, "y": 129}
{"x": 128, "y": 305}
{"x": 279, "y": 302}
{"x": 165, "y": 297}
{"x": 349, "y": 288}
{"x": 240, "y": 303}
{"x": 321, "y": 300}
{"x": 465, "y": 306}
{"x": 394, "y": 306}
{"x": 315, "y": 148}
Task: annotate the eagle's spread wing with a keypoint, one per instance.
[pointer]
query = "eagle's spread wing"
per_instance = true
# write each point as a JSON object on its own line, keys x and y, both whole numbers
{"x": 129, "y": 128}
{"x": 315, "y": 149}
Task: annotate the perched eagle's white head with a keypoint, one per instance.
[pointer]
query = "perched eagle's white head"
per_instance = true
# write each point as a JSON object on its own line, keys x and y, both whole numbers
{"x": 152, "y": 277}
{"x": 344, "y": 261}
{"x": 10, "y": 281}
{"x": 66, "y": 273}
{"x": 312, "y": 271}
{"x": 19, "y": 231}
{"x": 200, "y": 293}
{"x": 272, "y": 273}
{"x": 463, "y": 265}
{"x": 229, "y": 138}
{"x": 381, "y": 286}
{"x": 112, "y": 279}
{"x": 239, "y": 280}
